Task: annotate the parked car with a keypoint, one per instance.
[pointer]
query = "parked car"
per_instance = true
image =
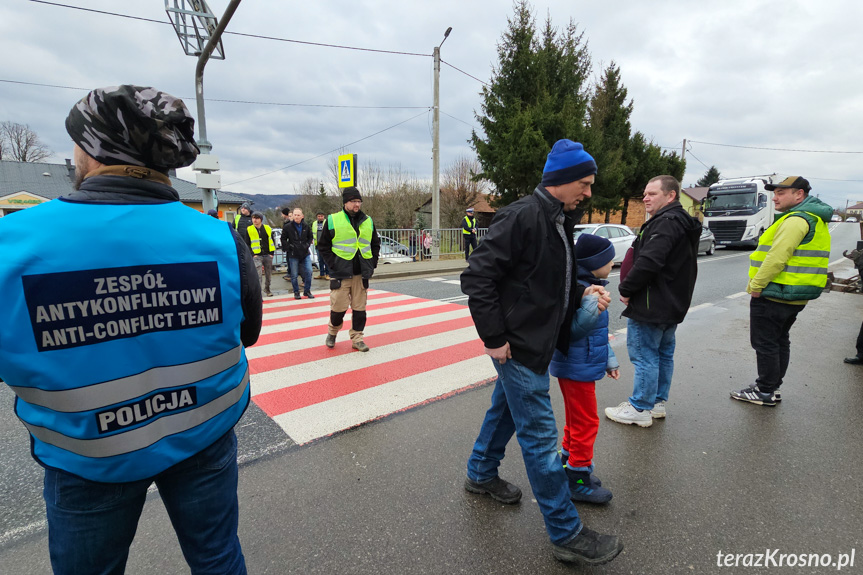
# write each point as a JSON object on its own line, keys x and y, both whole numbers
{"x": 836, "y": 218}
{"x": 396, "y": 247}
{"x": 707, "y": 242}
{"x": 621, "y": 237}
{"x": 390, "y": 256}
{"x": 852, "y": 219}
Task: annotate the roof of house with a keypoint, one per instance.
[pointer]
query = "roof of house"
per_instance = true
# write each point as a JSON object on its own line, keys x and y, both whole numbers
{"x": 51, "y": 181}
{"x": 697, "y": 193}
{"x": 857, "y": 206}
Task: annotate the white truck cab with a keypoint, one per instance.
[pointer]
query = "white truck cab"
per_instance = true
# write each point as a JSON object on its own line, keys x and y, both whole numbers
{"x": 738, "y": 211}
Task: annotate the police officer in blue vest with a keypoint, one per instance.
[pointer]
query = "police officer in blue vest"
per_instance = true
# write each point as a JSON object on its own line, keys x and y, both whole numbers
{"x": 126, "y": 352}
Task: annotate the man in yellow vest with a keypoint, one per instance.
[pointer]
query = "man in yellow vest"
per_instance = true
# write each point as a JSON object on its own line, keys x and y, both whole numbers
{"x": 350, "y": 245}
{"x": 468, "y": 231}
{"x": 787, "y": 269}
{"x": 259, "y": 237}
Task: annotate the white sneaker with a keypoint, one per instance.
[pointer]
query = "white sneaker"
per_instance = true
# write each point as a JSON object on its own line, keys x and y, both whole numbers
{"x": 658, "y": 411}
{"x": 628, "y": 415}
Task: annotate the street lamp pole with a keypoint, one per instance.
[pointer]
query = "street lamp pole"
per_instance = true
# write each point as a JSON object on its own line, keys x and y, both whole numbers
{"x": 436, "y": 147}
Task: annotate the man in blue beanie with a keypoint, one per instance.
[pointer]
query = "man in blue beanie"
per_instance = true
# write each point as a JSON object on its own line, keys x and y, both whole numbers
{"x": 522, "y": 290}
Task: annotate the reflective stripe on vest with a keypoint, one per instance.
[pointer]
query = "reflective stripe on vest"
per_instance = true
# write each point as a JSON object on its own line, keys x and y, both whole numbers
{"x": 123, "y": 371}
{"x": 805, "y": 272}
{"x": 255, "y": 237}
{"x": 470, "y": 223}
{"x": 345, "y": 239}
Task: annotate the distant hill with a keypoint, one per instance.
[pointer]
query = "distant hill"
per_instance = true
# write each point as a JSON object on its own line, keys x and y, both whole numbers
{"x": 265, "y": 201}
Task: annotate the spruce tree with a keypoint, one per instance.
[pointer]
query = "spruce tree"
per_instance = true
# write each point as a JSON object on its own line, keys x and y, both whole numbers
{"x": 711, "y": 176}
{"x": 536, "y": 96}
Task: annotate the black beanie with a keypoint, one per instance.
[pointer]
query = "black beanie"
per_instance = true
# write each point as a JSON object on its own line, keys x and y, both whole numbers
{"x": 351, "y": 194}
{"x": 593, "y": 252}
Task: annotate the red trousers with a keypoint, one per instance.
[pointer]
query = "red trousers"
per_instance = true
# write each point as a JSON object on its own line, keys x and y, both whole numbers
{"x": 582, "y": 421}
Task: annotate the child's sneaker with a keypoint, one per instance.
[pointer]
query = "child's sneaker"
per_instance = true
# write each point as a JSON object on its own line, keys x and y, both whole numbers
{"x": 581, "y": 488}
{"x": 564, "y": 459}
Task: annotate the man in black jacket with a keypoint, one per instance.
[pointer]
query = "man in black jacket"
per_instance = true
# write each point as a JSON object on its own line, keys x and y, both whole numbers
{"x": 296, "y": 239}
{"x": 350, "y": 245}
{"x": 522, "y": 289}
{"x": 657, "y": 292}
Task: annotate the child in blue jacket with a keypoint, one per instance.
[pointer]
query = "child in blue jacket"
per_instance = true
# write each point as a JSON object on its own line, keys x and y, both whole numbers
{"x": 588, "y": 359}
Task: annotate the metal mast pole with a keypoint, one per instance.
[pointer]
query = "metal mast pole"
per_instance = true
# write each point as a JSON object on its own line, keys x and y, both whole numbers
{"x": 209, "y": 195}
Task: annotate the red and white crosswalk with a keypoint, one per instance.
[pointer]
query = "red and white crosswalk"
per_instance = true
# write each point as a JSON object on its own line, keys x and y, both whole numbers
{"x": 420, "y": 350}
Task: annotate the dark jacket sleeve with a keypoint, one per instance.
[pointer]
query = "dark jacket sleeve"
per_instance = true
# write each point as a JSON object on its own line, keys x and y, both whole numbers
{"x": 488, "y": 268}
{"x": 286, "y": 241}
{"x": 657, "y": 243}
{"x": 250, "y": 294}
{"x": 376, "y": 246}
{"x": 325, "y": 245}
{"x": 306, "y": 238}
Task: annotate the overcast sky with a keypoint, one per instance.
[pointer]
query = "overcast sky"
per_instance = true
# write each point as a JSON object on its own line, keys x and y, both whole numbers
{"x": 760, "y": 73}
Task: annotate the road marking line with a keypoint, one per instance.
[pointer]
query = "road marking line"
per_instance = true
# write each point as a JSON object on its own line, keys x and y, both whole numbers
{"x": 736, "y": 295}
{"x": 322, "y": 419}
{"x": 422, "y": 351}
{"x": 314, "y": 336}
{"x": 700, "y": 306}
{"x": 336, "y": 365}
{"x": 13, "y": 534}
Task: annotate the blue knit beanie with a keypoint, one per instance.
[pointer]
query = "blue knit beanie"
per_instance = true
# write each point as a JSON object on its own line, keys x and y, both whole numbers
{"x": 567, "y": 162}
{"x": 592, "y": 252}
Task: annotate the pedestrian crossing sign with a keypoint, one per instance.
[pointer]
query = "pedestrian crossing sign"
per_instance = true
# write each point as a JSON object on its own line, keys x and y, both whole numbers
{"x": 347, "y": 170}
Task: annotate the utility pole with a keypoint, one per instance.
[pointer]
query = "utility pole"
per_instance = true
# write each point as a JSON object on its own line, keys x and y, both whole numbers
{"x": 683, "y": 153}
{"x": 436, "y": 149}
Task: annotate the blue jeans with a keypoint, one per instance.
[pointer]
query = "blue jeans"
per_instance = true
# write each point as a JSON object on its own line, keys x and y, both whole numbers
{"x": 323, "y": 270}
{"x": 651, "y": 351}
{"x": 91, "y": 525}
{"x": 520, "y": 404}
{"x": 301, "y": 266}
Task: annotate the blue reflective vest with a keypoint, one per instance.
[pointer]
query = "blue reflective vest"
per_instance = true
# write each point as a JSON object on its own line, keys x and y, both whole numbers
{"x": 122, "y": 345}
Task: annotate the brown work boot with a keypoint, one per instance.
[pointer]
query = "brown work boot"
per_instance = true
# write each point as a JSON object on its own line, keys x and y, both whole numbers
{"x": 360, "y": 346}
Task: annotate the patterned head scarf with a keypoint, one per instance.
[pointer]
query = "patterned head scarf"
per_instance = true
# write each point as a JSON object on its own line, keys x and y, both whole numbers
{"x": 134, "y": 125}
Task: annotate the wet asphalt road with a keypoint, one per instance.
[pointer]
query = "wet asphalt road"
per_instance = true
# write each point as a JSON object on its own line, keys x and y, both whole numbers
{"x": 717, "y": 475}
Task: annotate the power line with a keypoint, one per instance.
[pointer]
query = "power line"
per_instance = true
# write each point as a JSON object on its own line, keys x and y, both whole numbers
{"x": 238, "y": 101}
{"x": 774, "y": 149}
{"x": 696, "y": 157}
{"x": 465, "y": 73}
{"x": 235, "y": 33}
{"x": 330, "y": 152}
{"x": 457, "y": 120}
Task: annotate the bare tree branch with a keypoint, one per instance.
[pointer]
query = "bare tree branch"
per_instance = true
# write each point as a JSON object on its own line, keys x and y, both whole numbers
{"x": 21, "y": 143}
